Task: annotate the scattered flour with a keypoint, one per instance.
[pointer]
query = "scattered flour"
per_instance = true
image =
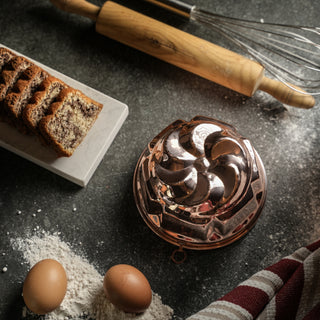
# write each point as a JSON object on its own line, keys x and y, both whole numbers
{"x": 85, "y": 298}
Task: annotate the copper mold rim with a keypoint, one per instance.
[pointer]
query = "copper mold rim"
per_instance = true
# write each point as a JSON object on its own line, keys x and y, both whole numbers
{"x": 140, "y": 190}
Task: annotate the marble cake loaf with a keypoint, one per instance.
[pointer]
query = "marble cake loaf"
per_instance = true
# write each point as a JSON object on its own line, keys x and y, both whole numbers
{"x": 35, "y": 102}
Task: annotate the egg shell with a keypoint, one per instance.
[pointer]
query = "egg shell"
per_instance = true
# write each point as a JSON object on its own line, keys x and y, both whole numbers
{"x": 127, "y": 288}
{"x": 45, "y": 286}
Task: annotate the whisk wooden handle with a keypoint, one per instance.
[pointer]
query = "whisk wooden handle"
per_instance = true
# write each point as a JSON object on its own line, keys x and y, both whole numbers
{"x": 183, "y": 50}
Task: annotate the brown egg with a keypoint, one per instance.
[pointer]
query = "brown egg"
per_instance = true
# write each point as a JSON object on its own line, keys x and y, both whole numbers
{"x": 45, "y": 286}
{"x": 127, "y": 288}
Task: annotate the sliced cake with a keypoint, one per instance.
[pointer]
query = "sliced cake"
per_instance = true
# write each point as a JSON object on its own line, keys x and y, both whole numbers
{"x": 10, "y": 74}
{"x": 5, "y": 56}
{"x": 34, "y": 101}
{"x": 22, "y": 91}
{"x": 68, "y": 121}
{"x": 40, "y": 102}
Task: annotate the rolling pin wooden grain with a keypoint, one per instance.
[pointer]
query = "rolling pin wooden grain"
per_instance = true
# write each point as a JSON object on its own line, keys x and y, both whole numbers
{"x": 184, "y": 50}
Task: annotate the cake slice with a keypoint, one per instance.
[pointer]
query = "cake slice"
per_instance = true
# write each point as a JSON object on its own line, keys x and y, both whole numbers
{"x": 40, "y": 102}
{"x": 68, "y": 121}
{"x": 5, "y": 56}
{"x": 10, "y": 74}
{"x": 22, "y": 91}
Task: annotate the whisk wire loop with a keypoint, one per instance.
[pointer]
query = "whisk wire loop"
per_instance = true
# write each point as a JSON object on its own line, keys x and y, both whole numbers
{"x": 290, "y": 53}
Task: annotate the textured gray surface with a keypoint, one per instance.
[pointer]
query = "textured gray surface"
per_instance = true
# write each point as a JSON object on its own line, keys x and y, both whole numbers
{"x": 286, "y": 138}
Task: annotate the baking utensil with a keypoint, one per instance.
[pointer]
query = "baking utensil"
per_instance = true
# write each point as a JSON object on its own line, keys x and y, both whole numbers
{"x": 289, "y": 53}
{"x": 184, "y": 50}
{"x": 200, "y": 184}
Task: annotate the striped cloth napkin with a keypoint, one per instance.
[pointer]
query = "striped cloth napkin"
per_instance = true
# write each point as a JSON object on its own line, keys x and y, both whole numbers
{"x": 287, "y": 290}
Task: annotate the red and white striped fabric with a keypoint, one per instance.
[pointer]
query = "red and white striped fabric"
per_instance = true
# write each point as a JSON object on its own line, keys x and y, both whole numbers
{"x": 287, "y": 290}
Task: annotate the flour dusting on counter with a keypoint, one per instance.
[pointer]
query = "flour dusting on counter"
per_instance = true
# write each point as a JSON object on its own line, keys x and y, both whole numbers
{"x": 85, "y": 298}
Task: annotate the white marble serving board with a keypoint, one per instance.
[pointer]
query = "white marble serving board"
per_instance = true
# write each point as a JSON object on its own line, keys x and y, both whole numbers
{"x": 80, "y": 167}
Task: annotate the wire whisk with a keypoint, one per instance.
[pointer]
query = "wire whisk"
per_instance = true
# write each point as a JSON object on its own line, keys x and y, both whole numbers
{"x": 290, "y": 53}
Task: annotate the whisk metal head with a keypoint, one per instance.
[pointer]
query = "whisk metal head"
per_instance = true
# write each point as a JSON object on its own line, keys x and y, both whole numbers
{"x": 290, "y": 53}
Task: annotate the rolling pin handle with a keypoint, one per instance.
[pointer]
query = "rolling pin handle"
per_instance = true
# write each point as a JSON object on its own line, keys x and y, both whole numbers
{"x": 294, "y": 96}
{"x": 81, "y": 7}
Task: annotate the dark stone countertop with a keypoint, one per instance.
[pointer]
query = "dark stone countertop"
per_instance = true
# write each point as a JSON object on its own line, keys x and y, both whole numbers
{"x": 156, "y": 93}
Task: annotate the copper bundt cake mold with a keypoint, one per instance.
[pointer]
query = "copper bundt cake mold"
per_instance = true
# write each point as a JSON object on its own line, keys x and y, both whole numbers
{"x": 200, "y": 184}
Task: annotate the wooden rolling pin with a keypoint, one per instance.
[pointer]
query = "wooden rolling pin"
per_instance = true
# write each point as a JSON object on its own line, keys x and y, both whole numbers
{"x": 184, "y": 50}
